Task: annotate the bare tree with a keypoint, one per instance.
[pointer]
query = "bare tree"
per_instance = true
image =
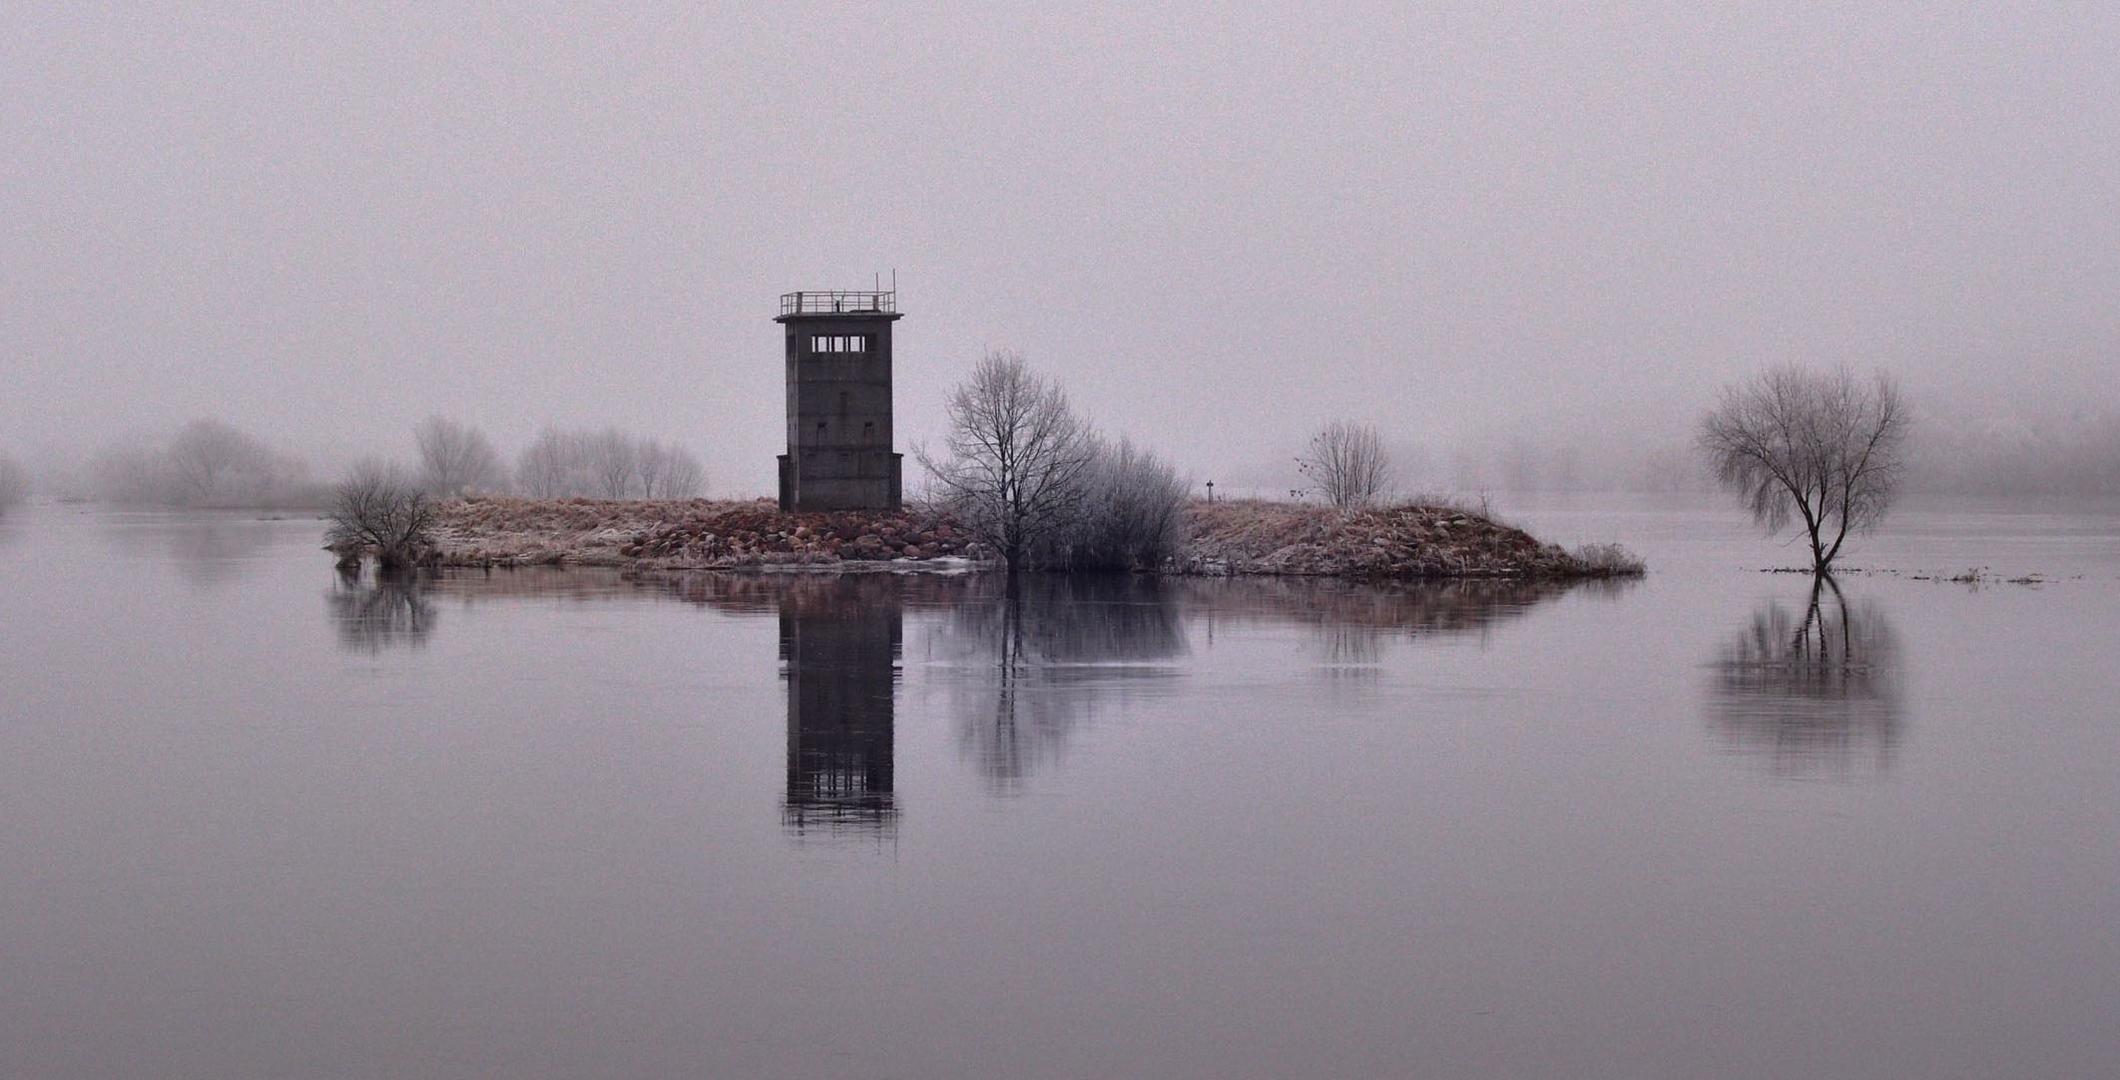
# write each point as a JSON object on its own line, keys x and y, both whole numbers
{"x": 606, "y": 464}
{"x": 214, "y": 462}
{"x": 611, "y": 459}
{"x": 379, "y": 509}
{"x": 14, "y": 482}
{"x": 1018, "y": 456}
{"x": 1822, "y": 448}
{"x": 550, "y": 467}
{"x": 455, "y": 458}
{"x": 683, "y": 475}
{"x": 1131, "y": 517}
{"x": 651, "y": 458}
{"x": 1347, "y": 465}
{"x": 666, "y": 471}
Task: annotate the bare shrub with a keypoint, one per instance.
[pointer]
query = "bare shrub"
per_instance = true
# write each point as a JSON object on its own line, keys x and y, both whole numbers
{"x": 1347, "y": 465}
{"x": 379, "y": 509}
{"x": 1609, "y": 560}
{"x": 1018, "y": 457}
{"x": 1822, "y": 448}
{"x": 1131, "y": 515}
{"x": 456, "y": 458}
{"x": 14, "y": 483}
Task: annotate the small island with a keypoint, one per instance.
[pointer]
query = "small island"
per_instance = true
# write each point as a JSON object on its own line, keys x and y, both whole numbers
{"x": 1229, "y": 537}
{"x": 1021, "y": 481}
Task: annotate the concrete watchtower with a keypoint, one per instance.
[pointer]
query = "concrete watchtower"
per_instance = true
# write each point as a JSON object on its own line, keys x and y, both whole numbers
{"x": 839, "y": 402}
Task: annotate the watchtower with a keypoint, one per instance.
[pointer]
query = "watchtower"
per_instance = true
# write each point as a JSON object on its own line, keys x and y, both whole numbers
{"x": 839, "y": 402}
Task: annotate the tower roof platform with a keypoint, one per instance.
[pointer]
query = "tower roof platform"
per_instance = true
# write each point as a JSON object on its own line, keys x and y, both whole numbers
{"x": 838, "y": 302}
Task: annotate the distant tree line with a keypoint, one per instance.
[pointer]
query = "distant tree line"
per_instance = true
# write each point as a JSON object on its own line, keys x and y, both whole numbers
{"x": 210, "y": 463}
{"x": 207, "y": 463}
{"x": 606, "y": 464}
{"x": 2075, "y": 454}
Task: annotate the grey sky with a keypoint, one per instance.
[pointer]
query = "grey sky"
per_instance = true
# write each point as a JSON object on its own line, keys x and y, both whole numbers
{"x": 1218, "y": 228}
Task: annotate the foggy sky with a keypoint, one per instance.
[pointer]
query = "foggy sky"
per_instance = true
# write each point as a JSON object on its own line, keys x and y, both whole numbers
{"x": 1217, "y": 228}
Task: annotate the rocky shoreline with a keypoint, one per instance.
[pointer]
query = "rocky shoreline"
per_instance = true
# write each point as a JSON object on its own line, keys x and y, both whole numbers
{"x": 1243, "y": 537}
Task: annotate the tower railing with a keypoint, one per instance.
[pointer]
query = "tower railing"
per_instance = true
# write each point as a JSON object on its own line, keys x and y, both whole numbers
{"x": 838, "y": 302}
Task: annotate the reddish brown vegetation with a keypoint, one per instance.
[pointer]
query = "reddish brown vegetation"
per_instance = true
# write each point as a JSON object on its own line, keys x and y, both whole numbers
{"x": 1258, "y": 537}
{"x": 684, "y": 534}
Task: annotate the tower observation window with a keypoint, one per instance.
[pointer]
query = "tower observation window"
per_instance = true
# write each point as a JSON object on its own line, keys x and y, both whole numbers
{"x": 839, "y": 343}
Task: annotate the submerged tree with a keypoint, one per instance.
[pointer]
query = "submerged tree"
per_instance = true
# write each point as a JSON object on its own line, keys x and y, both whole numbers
{"x": 377, "y": 508}
{"x": 1018, "y": 457}
{"x": 1824, "y": 449}
{"x": 1347, "y": 465}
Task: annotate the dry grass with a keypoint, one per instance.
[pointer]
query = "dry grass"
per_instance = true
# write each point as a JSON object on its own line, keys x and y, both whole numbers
{"x": 683, "y": 534}
{"x": 1411, "y": 540}
{"x": 1239, "y": 536}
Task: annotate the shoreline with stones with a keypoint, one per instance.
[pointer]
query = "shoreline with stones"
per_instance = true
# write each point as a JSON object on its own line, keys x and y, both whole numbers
{"x": 1228, "y": 538}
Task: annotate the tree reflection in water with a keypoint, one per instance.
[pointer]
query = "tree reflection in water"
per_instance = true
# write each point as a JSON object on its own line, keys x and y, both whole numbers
{"x": 376, "y": 612}
{"x": 1029, "y": 664}
{"x": 209, "y": 548}
{"x": 1813, "y": 693}
{"x": 1351, "y": 622}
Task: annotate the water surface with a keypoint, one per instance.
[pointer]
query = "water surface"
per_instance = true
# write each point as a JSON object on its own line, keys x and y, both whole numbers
{"x": 259, "y": 820}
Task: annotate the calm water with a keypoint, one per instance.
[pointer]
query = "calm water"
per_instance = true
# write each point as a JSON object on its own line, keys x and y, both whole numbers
{"x": 256, "y": 821}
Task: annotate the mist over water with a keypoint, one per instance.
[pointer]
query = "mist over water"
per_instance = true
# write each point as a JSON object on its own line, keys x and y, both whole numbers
{"x": 553, "y": 823}
{"x": 1528, "y": 245}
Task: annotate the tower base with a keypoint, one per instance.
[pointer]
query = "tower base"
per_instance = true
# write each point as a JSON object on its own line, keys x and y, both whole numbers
{"x": 822, "y": 479}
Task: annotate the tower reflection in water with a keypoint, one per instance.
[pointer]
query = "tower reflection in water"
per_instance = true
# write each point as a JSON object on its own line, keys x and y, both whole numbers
{"x": 839, "y": 648}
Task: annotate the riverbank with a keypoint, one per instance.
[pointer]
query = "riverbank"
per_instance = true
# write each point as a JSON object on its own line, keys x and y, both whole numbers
{"x": 1241, "y": 537}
